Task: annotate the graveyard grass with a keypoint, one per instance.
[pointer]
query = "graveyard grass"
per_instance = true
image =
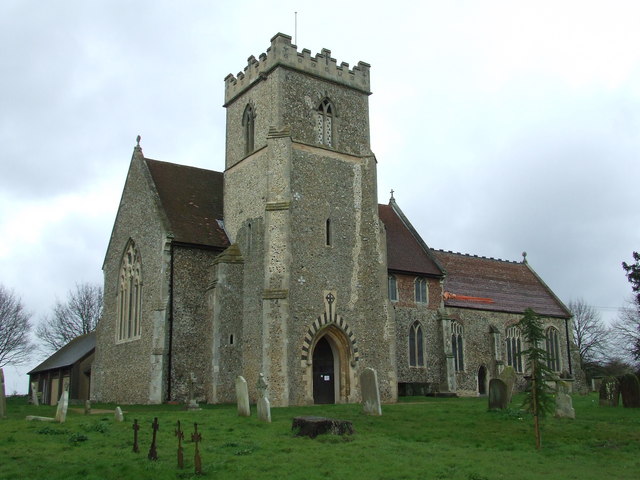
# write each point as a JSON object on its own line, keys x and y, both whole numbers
{"x": 418, "y": 438}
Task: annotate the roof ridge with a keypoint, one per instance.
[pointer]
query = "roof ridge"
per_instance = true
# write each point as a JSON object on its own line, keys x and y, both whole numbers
{"x": 181, "y": 165}
{"x": 482, "y": 257}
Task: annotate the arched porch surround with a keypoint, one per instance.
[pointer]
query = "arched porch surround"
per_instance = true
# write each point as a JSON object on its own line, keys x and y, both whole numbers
{"x": 483, "y": 380}
{"x": 345, "y": 357}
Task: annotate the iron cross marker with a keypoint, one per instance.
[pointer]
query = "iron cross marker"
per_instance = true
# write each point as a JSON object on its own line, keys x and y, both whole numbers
{"x": 196, "y": 437}
{"x": 153, "y": 454}
{"x": 136, "y": 427}
{"x": 180, "y": 434}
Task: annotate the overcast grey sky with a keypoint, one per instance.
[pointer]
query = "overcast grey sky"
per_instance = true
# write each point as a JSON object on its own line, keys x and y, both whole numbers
{"x": 502, "y": 126}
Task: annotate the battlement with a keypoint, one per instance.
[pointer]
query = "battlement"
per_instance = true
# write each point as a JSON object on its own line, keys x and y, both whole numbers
{"x": 283, "y": 52}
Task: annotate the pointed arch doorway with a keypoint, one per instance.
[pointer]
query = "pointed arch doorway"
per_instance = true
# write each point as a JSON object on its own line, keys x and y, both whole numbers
{"x": 482, "y": 380}
{"x": 324, "y": 378}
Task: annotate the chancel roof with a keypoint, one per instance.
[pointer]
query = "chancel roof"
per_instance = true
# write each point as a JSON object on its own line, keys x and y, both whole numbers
{"x": 192, "y": 200}
{"x": 497, "y": 285}
{"x": 72, "y": 352}
{"x": 406, "y": 251}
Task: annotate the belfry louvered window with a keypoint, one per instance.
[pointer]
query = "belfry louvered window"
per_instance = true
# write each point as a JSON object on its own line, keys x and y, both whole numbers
{"x": 249, "y": 129}
{"x": 324, "y": 123}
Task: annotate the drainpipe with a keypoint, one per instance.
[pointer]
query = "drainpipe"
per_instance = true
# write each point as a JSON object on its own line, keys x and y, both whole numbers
{"x": 566, "y": 331}
{"x": 170, "y": 343}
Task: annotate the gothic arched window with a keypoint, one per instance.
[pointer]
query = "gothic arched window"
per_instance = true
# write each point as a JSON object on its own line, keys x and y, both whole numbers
{"x": 324, "y": 123}
{"x": 513, "y": 342}
{"x": 553, "y": 349}
{"x": 416, "y": 342}
{"x": 249, "y": 128}
{"x": 129, "y": 295}
{"x": 457, "y": 345}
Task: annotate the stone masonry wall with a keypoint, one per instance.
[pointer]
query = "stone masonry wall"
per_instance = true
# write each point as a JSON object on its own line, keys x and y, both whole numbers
{"x": 133, "y": 371}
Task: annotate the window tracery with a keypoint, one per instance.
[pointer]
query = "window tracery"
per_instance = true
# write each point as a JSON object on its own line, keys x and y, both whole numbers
{"x": 129, "y": 295}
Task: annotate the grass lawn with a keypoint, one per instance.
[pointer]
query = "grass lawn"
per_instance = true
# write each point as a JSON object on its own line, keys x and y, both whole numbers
{"x": 418, "y": 438}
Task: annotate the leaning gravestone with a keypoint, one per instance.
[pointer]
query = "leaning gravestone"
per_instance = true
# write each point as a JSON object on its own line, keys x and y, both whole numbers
{"x": 34, "y": 394}
{"x": 609, "y": 392}
{"x": 3, "y": 398}
{"x": 630, "y": 390}
{"x": 564, "y": 404}
{"x": 370, "y": 392}
{"x": 508, "y": 376}
{"x": 63, "y": 405}
{"x": 118, "y": 416}
{"x": 242, "y": 397}
{"x": 497, "y": 394}
{"x": 264, "y": 407}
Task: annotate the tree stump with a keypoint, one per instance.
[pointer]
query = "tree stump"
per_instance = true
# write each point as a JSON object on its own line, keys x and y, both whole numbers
{"x": 314, "y": 426}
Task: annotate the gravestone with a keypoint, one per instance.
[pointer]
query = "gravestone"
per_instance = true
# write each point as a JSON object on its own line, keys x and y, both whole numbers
{"x": 370, "y": 392}
{"x": 180, "y": 434}
{"x": 87, "y": 407}
{"x": 497, "y": 394}
{"x": 264, "y": 406}
{"x": 153, "y": 451}
{"x": 609, "y": 392}
{"x": 508, "y": 376}
{"x": 118, "y": 415}
{"x": 192, "y": 404}
{"x": 314, "y": 426}
{"x": 136, "y": 427}
{"x": 630, "y": 390}
{"x": 3, "y": 398}
{"x": 564, "y": 404}
{"x": 63, "y": 405}
{"x": 196, "y": 438}
{"x": 34, "y": 394}
{"x": 242, "y": 397}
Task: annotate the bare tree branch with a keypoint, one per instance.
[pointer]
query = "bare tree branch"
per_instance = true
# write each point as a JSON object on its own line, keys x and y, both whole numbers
{"x": 589, "y": 332}
{"x": 78, "y": 315}
{"x": 627, "y": 329}
{"x": 15, "y": 346}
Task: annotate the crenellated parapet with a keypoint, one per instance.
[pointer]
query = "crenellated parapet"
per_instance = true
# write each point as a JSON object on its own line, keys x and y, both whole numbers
{"x": 283, "y": 52}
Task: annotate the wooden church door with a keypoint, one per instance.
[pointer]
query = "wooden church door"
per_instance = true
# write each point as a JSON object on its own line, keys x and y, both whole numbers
{"x": 323, "y": 373}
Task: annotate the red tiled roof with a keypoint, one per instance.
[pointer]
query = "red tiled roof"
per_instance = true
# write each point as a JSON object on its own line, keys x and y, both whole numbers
{"x": 406, "y": 252}
{"x": 512, "y": 286}
{"x": 192, "y": 200}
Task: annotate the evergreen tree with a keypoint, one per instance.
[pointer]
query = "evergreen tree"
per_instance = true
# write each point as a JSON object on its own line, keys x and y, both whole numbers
{"x": 539, "y": 399}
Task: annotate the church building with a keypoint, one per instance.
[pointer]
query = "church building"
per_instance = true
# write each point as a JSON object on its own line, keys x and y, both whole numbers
{"x": 285, "y": 264}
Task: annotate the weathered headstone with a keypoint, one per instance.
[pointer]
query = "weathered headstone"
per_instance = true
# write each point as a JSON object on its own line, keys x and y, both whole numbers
{"x": 508, "y": 376}
{"x": 180, "y": 434}
{"x": 630, "y": 390}
{"x": 3, "y": 398}
{"x": 34, "y": 394}
{"x": 263, "y": 407}
{"x": 314, "y": 426}
{"x": 564, "y": 404}
{"x": 370, "y": 392}
{"x": 196, "y": 438}
{"x": 118, "y": 416}
{"x": 63, "y": 405}
{"x": 242, "y": 397}
{"x": 136, "y": 427}
{"x": 153, "y": 452}
{"x": 192, "y": 404}
{"x": 609, "y": 392}
{"x": 497, "y": 394}
{"x": 87, "y": 407}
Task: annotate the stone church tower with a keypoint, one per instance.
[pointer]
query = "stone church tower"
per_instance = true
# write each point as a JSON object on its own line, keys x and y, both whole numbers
{"x": 309, "y": 252}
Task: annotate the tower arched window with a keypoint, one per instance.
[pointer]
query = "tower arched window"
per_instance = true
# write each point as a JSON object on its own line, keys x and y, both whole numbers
{"x": 129, "y": 295}
{"x": 324, "y": 123}
{"x": 513, "y": 340}
{"x": 416, "y": 345}
{"x": 553, "y": 349}
{"x": 393, "y": 288}
{"x": 248, "y": 126}
{"x": 457, "y": 345}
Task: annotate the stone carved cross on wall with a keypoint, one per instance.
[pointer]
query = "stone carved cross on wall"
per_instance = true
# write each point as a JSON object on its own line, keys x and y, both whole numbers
{"x": 330, "y": 298}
